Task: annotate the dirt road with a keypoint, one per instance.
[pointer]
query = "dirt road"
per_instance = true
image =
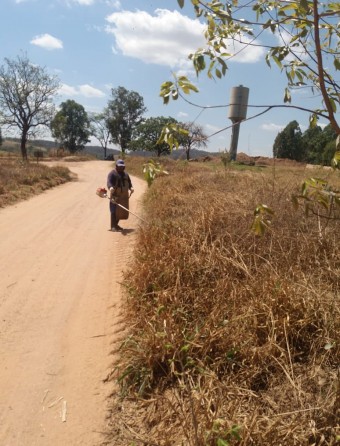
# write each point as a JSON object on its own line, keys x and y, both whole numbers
{"x": 60, "y": 269}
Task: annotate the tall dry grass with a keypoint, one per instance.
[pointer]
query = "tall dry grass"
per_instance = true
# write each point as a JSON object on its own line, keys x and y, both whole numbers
{"x": 231, "y": 338}
{"x": 21, "y": 180}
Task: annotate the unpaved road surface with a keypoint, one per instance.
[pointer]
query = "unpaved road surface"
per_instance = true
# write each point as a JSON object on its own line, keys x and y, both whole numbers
{"x": 60, "y": 269}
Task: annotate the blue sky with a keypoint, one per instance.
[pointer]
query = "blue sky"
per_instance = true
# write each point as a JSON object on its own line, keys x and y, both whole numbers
{"x": 96, "y": 45}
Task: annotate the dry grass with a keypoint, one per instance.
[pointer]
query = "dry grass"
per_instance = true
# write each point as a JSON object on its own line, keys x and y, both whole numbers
{"x": 231, "y": 338}
{"x": 21, "y": 180}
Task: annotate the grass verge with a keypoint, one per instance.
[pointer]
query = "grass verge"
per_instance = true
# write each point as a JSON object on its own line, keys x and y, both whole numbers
{"x": 231, "y": 339}
{"x": 21, "y": 180}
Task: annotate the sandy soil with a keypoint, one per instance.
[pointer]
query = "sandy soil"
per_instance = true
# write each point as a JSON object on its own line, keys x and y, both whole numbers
{"x": 60, "y": 269}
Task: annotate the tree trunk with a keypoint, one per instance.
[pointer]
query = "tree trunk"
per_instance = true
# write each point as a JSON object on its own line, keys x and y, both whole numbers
{"x": 323, "y": 88}
{"x": 23, "y": 146}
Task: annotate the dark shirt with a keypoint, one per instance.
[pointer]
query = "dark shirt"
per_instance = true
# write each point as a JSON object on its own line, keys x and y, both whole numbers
{"x": 117, "y": 179}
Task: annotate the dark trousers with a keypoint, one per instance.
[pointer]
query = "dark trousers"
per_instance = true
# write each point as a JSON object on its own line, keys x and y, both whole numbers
{"x": 114, "y": 221}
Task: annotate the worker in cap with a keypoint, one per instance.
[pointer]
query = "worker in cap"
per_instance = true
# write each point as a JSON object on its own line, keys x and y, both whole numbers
{"x": 120, "y": 187}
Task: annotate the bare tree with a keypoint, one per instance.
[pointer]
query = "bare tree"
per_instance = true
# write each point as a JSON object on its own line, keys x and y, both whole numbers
{"x": 99, "y": 125}
{"x": 195, "y": 139}
{"x": 26, "y": 93}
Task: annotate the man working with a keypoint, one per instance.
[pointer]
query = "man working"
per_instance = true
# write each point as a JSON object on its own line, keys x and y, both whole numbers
{"x": 120, "y": 187}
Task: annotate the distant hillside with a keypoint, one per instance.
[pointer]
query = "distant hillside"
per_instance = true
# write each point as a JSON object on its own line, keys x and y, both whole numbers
{"x": 98, "y": 151}
{"x": 13, "y": 144}
{"x": 176, "y": 154}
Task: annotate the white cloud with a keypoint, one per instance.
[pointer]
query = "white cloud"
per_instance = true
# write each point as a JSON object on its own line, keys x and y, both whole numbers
{"x": 181, "y": 115}
{"x": 82, "y": 90}
{"x": 271, "y": 127}
{"x": 166, "y": 38}
{"x": 67, "y": 90}
{"x": 84, "y": 2}
{"x": 243, "y": 52}
{"x": 47, "y": 41}
{"x": 90, "y": 92}
{"x": 114, "y": 4}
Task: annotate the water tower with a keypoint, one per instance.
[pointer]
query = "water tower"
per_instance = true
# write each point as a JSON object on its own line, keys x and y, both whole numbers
{"x": 237, "y": 112}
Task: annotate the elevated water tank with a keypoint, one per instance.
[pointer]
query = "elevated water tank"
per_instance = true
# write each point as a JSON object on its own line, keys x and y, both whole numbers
{"x": 238, "y": 103}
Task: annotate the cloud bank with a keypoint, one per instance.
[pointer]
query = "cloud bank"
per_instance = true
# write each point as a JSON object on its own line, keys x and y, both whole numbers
{"x": 82, "y": 90}
{"x": 167, "y": 38}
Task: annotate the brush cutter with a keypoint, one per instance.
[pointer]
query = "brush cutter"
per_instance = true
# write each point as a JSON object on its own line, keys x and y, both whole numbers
{"x": 102, "y": 193}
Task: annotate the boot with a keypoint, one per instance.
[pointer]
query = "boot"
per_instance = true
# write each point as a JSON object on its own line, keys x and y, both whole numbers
{"x": 114, "y": 223}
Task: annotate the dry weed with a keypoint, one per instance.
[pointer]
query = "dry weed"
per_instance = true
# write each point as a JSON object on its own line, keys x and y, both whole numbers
{"x": 20, "y": 180}
{"x": 234, "y": 338}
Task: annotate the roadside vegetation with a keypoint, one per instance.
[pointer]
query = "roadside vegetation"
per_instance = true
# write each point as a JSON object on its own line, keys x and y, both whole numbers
{"x": 230, "y": 338}
{"x": 21, "y": 180}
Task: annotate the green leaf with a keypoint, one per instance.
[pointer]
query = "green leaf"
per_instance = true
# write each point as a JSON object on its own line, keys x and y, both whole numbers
{"x": 287, "y": 96}
{"x": 277, "y": 61}
{"x": 185, "y": 348}
{"x": 303, "y": 5}
{"x": 180, "y": 3}
{"x": 313, "y": 120}
{"x": 221, "y": 442}
{"x": 333, "y": 105}
{"x": 235, "y": 432}
{"x": 336, "y": 160}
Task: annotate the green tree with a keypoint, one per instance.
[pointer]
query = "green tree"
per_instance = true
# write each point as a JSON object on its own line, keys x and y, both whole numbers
{"x": 126, "y": 110}
{"x": 146, "y": 135}
{"x": 288, "y": 143}
{"x": 194, "y": 139}
{"x": 315, "y": 140}
{"x": 26, "y": 93}
{"x": 99, "y": 125}
{"x": 71, "y": 126}
{"x": 328, "y": 153}
{"x": 305, "y": 45}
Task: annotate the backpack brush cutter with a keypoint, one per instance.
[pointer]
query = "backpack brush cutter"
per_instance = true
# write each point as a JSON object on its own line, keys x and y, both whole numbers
{"x": 102, "y": 193}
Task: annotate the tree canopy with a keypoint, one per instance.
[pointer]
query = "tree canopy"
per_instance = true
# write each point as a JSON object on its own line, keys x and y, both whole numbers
{"x": 304, "y": 43}
{"x": 26, "y": 93}
{"x": 319, "y": 144}
{"x": 288, "y": 143}
{"x": 146, "y": 135}
{"x": 71, "y": 126}
{"x": 126, "y": 109}
{"x": 315, "y": 145}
